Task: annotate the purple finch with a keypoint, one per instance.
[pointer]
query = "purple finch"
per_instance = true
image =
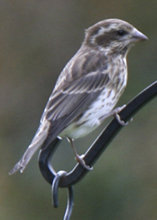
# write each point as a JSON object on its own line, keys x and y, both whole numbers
{"x": 88, "y": 88}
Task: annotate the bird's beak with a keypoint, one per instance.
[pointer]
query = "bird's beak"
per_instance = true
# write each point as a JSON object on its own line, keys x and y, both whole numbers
{"x": 138, "y": 36}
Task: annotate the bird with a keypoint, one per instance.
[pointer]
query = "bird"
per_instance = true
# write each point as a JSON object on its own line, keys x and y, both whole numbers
{"x": 87, "y": 89}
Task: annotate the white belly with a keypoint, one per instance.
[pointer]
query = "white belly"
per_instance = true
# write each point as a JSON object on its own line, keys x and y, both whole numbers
{"x": 91, "y": 119}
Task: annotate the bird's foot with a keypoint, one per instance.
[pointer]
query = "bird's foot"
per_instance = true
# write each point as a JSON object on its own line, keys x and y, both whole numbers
{"x": 81, "y": 161}
{"x": 116, "y": 114}
{"x": 79, "y": 158}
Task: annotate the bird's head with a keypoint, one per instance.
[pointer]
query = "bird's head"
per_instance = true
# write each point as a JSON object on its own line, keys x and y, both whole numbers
{"x": 113, "y": 36}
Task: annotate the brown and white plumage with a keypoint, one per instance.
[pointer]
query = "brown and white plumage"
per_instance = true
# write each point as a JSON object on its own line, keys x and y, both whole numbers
{"x": 89, "y": 86}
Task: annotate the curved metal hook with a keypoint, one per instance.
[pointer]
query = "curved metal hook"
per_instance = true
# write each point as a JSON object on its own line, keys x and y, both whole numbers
{"x": 99, "y": 145}
{"x": 70, "y": 204}
{"x": 55, "y": 185}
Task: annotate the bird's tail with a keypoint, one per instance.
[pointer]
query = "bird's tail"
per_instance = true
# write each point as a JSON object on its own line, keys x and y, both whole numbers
{"x": 36, "y": 143}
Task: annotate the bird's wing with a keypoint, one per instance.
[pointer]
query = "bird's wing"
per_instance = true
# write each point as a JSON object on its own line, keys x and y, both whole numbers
{"x": 69, "y": 103}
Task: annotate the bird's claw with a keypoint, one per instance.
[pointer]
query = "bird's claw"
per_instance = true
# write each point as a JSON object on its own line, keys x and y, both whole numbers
{"x": 116, "y": 113}
{"x": 120, "y": 121}
{"x": 81, "y": 161}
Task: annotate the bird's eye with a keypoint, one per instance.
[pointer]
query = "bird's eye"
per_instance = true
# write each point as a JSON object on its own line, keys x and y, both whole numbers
{"x": 121, "y": 32}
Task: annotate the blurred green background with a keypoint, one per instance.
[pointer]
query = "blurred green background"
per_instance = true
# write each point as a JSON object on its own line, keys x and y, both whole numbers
{"x": 37, "y": 38}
